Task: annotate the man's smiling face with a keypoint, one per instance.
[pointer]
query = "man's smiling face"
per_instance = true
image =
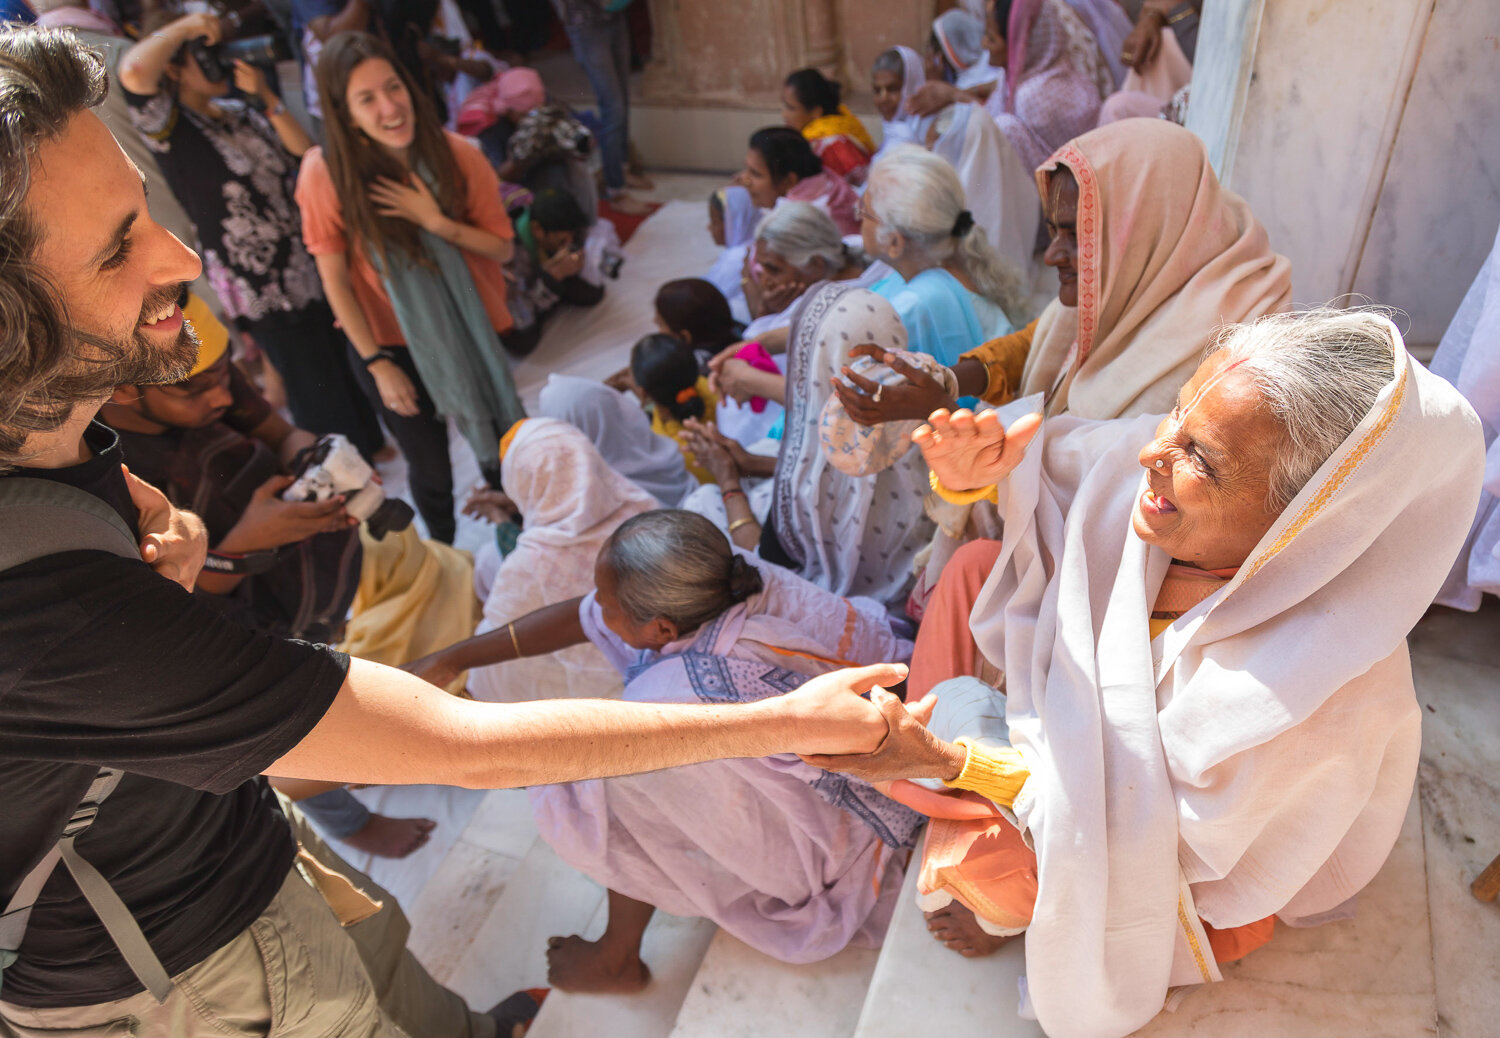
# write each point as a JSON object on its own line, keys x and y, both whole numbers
{"x": 118, "y": 272}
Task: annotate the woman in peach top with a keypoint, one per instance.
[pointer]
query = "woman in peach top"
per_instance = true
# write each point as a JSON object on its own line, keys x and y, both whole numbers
{"x": 409, "y": 235}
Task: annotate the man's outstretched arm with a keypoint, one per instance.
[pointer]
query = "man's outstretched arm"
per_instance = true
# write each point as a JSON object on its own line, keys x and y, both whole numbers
{"x": 386, "y": 726}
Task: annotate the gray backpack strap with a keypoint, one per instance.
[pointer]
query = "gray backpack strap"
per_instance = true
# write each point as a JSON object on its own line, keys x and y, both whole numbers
{"x": 40, "y": 517}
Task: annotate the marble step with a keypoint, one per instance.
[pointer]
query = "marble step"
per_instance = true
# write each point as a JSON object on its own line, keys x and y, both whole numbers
{"x": 741, "y": 993}
{"x": 1371, "y": 976}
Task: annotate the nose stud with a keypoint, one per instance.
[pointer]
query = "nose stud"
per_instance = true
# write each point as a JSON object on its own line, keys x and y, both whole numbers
{"x": 1160, "y": 463}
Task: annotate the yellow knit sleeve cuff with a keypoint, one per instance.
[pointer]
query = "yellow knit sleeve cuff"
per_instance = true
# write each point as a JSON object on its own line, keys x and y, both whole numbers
{"x": 996, "y": 775}
{"x": 961, "y": 497}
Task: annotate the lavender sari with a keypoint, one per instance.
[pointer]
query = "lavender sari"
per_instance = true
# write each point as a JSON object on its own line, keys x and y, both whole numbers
{"x": 794, "y": 861}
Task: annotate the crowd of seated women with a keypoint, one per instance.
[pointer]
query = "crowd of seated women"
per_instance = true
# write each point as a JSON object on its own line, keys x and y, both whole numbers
{"x": 1149, "y": 541}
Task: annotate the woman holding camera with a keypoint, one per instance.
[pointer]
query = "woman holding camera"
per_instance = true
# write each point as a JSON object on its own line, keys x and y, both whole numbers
{"x": 410, "y": 236}
{"x": 232, "y": 162}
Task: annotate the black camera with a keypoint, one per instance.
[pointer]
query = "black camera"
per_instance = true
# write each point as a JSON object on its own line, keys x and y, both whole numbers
{"x": 217, "y": 62}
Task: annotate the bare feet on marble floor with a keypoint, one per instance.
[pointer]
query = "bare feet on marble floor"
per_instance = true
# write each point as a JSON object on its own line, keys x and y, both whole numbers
{"x": 574, "y": 964}
{"x": 391, "y": 837}
{"x": 956, "y": 927}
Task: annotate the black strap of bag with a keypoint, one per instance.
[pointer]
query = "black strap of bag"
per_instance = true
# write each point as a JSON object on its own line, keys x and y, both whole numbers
{"x": 40, "y": 517}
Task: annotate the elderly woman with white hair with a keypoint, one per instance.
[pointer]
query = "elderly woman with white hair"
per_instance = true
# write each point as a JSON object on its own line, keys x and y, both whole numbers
{"x": 1208, "y": 717}
{"x": 796, "y": 245}
{"x": 948, "y": 285}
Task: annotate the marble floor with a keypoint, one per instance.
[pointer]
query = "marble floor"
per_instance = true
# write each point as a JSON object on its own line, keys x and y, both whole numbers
{"x": 1422, "y": 957}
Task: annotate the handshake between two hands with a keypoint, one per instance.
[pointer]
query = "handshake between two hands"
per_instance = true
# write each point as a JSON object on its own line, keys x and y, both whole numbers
{"x": 877, "y": 739}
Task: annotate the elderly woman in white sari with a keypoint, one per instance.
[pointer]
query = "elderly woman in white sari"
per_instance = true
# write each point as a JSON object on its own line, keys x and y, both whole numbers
{"x": 852, "y": 534}
{"x": 794, "y": 861}
{"x": 1208, "y": 715}
{"x": 570, "y": 501}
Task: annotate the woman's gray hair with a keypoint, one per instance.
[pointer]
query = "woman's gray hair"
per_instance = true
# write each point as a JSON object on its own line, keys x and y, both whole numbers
{"x": 678, "y": 566}
{"x": 918, "y": 195}
{"x": 889, "y": 61}
{"x": 1319, "y": 372}
{"x": 800, "y": 232}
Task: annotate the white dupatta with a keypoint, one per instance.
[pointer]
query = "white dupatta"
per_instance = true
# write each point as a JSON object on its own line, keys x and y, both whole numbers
{"x": 1256, "y": 758}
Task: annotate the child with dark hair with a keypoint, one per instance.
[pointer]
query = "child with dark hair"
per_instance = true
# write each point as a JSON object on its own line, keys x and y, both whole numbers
{"x": 696, "y": 312}
{"x": 666, "y": 372}
{"x": 811, "y": 105}
{"x": 563, "y": 258}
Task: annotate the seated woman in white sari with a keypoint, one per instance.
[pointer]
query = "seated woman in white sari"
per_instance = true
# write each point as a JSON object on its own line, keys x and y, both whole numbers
{"x": 570, "y": 501}
{"x": 793, "y": 861}
{"x": 1208, "y": 715}
{"x": 621, "y": 433}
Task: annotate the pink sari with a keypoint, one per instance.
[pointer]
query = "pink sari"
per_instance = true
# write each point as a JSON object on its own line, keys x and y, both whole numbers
{"x": 831, "y": 194}
{"x": 1056, "y": 78}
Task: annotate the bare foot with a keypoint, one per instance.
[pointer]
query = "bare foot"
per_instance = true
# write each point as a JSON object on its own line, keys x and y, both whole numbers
{"x": 957, "y": 928}
{"x": 391, "y": 837}
{"x": 574, "y": 964}
{"x": 637, "y": 182}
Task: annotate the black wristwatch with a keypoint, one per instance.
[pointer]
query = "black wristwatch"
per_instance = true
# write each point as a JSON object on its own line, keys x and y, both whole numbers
{"x": 248, "y": 564}
{"x": 380, "y": 354}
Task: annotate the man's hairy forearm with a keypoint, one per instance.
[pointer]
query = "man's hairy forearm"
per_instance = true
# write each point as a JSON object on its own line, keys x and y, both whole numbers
{"x": 388, "y": 727}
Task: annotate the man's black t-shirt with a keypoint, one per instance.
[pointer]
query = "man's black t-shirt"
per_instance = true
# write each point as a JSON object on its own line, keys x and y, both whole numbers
{"x": 102, "y": 662}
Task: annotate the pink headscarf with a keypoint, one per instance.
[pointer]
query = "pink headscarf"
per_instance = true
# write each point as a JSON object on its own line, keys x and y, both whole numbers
{"x": 520, "y": 90}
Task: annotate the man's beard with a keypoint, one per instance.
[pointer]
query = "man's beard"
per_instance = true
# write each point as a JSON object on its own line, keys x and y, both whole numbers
{"x": 137, "y": 360}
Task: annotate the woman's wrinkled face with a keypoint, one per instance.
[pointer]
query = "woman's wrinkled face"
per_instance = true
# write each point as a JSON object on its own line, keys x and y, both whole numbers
{"x": 1061, "y": 206}
{"x": 1205, "y": 501}
{"x": 777, "y": 275}
{"x": 380, "y": 105}
{"x": 650, "y": 635}
{"x": 792, "y": 112}
{"x": 994, "y": 39}
{"x": 756, "y": 178}
{"x": 887, "y": 87}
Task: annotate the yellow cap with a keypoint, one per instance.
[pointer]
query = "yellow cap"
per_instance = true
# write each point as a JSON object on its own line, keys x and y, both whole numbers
{"x": 213, "y": 337}
{"x": 510, "y": 434}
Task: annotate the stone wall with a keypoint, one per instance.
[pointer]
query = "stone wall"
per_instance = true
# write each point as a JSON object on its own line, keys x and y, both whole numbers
{"x": 1366, "y": 136}
{"x": 719, "y": 53}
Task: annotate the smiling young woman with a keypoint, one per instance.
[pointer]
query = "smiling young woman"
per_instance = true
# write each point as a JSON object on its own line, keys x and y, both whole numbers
{"x": 409, "y": 234}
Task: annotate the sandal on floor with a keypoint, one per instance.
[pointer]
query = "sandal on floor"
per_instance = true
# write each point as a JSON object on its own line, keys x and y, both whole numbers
{"x": 513, "y": 1016}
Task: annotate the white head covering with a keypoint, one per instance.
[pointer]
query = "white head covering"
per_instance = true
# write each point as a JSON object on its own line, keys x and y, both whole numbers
{"x": 1255, "y": 758}
{"x": 906, "y": 128}
{"x": 621, "y": 433}
{"x": 1469, "y": 357}
{"x": 849, "y": 535}
{"x": 570, "y": 502}
{"x": 1000, "y": 189}
{"x": 740, "y": 219}
{"x": 740, "y": 215}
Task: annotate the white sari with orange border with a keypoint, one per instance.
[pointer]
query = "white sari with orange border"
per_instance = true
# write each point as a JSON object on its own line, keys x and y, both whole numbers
{"x": 1255, "y": 758}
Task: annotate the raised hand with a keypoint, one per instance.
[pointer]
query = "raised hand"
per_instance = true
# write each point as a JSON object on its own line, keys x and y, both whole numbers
{"x": 968, "y": 452}
{"x": 932, "y": 96}
{"x": 410, "y": 201}
{"x": 919, "y": 397}
{"x": 173, "y": 542}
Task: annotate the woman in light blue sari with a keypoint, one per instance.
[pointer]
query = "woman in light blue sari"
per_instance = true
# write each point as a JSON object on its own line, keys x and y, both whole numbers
{"x": 948, "y": 285}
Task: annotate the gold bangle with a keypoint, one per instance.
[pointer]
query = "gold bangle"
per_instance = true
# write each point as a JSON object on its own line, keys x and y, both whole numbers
{"x": 511, "y": 627}
{"x": 740, "y": 522}
{"x": 957, "y": 497}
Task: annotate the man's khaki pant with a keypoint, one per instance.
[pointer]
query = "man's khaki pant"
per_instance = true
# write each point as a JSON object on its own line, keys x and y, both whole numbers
{"x": 295, "y": 972}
